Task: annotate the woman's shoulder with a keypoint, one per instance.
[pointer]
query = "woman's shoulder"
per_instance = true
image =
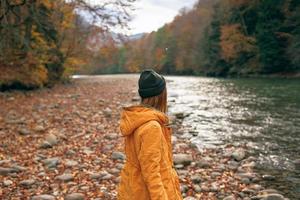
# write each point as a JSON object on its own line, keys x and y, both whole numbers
{"x": 150, "y": 126}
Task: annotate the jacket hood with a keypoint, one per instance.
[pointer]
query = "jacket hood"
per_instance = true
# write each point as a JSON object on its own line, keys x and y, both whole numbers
{"x": 135, "y": 116}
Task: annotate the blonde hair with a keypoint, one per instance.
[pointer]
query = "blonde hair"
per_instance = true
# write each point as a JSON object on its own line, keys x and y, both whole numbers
{"x": 158, "y": 102}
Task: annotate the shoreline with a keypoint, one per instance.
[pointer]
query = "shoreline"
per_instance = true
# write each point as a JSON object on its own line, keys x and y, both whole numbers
{"x": 64, "y": 143}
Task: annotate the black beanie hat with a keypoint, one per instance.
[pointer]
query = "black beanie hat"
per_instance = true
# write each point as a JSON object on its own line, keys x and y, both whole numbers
{"x": 151, "y": 83}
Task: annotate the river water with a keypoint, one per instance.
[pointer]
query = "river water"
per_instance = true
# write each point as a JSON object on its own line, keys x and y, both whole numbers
{"x": 262, "y": 114}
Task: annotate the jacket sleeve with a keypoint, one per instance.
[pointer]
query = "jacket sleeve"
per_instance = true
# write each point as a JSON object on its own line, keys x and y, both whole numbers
{"x": 149, "y": 157}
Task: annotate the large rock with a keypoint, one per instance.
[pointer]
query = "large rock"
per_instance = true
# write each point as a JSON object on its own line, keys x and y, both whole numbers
{"x": 43, "y": 197}
{"x": 184, "y": 159}
{"x": 74, "y": 196}
{"x": 238, "y": 154}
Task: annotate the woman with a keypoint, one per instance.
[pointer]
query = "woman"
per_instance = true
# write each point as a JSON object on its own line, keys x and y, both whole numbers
{"x": 148, "y": 173}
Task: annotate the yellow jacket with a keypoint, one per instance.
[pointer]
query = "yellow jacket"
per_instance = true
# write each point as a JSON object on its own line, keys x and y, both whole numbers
{"x": 148, "y": 173}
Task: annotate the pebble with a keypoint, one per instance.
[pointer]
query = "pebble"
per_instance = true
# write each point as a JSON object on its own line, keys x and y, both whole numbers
{"x": 118, "y": 155}
{"x": 71, "y": 163}
{"x": 111, "y": 136}
{"x": 215, "y": 174}
{"x": 268, "y": 177}
{"x": 74, "y": 196}
{"x": 24, "y": 131}
{"x": 179, "y": 166}
{"x": 179, "y": 115}
{"x": 51, "y": 139}
{"x": 7, "y": 183}
{"x": 119, "y": 166}
{"x": 231, "y": 197}
{"x": 107, "y": 112}
{"x": 51, "y": 162}
{"x": 19, "y": 168}
{"x": 195, "y": 178}
{"x": 269, "y": 197}
{"x": 238, "y": 154}
{"x": 197, "y": 188}
{"x": 184, "y": 188}
{"x": 107, "y": 177}
{"x": 245, "y": 180}
{"x": 39, "y": 128}
{"x": 203, "y": 164}
{"x": 65, "y": 177}
{"x": 27, "y": 182}
{"x": 6, "y": 171}
{"x": 184, "y": 159}
{"x": 43, "y": 197}
{"x": 189, "y": 198}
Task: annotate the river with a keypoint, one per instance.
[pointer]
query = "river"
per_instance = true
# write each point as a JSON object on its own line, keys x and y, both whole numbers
{"x": 262, "y": 114}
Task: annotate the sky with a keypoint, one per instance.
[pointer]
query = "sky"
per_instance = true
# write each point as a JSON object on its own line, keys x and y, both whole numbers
{"x": 153, "y": 14}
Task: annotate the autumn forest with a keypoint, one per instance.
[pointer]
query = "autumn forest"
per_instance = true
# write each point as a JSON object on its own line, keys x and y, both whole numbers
{"x": 43, "y": 42}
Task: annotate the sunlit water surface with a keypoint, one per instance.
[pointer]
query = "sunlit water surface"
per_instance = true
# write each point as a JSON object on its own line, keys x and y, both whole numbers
{"x": 263, "y": 114}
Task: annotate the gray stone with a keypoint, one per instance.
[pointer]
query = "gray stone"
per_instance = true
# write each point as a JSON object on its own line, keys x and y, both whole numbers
{"x": 245, "y": 180}
{"x": 111, "y": 136}
{"x": 196, "y": 179}
{"x": 215, "y": 174}
{"x": 24, "y": 131}
{"x": 180, "y": 115}
{"x": 238, "y": 154}
{"x": 19, "y": 168}
{"x": 114, "y": 171}
{"x": 231, "y": 197}
{"x": 107, "y": 177}
{"x": 27, "y": 183}
{"x": 269, "y": 197}
{"x": 39, "y": 128}
{"x": 7, "y": 183}
{"x": 51, "y": 162}
{"x": 45, "y": 145}
{"x": 179, "y": 166}
{"x": 43, "y": 197}
{"x": 107, "y": 112}
{"x": 118, "y": 156}
{"x": 184, "y": 159}
{"x": 51, "y": 139}
{"x": 297, "y": 163}
{"x": 268, "y": 177}
{"x": 6, "y": 171}
{"x": 65, "y": 177}
{"x": 119, "y": 166}
{"x": 203, "y": 164}
{"x": 248, "y": 191}
{"x": 197, "y": 188}
{"x": 71, "y": 163}
{"x": 268, "y": 191}
{"x": 184, "y": 188}
{"x": 74, "y": 196}
{"x": 189, "y": 198}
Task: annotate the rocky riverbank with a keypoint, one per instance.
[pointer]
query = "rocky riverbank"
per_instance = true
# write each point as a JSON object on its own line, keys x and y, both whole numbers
{"x": 64, "y": 143}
